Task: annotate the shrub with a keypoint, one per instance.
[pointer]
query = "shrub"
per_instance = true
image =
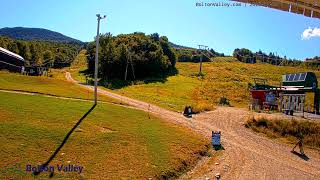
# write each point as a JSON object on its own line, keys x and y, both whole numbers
{"x": 201, "y": 107}
{"x": 290, "y": 129}
{"x": 224, "y": 101}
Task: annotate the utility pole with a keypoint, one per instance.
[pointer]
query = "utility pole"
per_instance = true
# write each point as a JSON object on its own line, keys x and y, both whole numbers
{"x": 96, "y": 61}
{"x": 201, "y": 47}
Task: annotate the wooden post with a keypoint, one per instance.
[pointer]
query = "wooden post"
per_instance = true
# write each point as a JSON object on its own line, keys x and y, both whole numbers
{"x": 316, "y": 101}
{"x": 200, "y": 70}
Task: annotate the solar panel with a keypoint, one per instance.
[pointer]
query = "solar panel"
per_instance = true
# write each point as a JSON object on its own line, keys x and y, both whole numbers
{"x": 303, "y": 76}
{"x": 295, "y": 77}
{"x": 291, "y": 77}
{"x": 288, "y": 77}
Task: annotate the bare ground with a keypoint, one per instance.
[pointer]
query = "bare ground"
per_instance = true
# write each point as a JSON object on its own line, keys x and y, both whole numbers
{"x": 246, "y": 156}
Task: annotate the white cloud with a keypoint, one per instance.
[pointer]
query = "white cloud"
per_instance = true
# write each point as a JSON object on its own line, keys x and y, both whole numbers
{"x": 309, "y": 33}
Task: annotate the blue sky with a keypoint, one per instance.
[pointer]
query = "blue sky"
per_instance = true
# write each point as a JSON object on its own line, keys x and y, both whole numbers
{"x": 221, "y": 28}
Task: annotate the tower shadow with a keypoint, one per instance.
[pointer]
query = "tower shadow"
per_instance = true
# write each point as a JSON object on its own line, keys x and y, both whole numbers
{"x": 302, "y": 156}
{"x": 63, "y": 142}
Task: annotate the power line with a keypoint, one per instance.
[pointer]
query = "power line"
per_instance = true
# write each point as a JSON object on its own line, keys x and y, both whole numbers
{"x": 200, "y": 48}
{"x": 263, "y": 56}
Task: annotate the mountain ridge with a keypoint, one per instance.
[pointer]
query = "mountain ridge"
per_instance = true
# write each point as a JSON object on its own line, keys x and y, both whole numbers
{"x": 38, "y": 34}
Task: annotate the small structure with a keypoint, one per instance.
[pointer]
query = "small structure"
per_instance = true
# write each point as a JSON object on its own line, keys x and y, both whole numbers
{"x": 293, "y": 90}
{"x": 216, "y": 138}
{"x": 11, "y": 61}
{"x": 36, "y": 70}
{"x": 289, "y": 97}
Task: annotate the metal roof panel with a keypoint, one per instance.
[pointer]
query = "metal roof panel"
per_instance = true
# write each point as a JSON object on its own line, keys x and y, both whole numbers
{"x": 11, "y": 53}
{"x": 309, "y": 8}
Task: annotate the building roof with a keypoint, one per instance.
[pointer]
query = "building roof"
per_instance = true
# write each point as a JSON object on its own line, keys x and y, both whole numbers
{"x": 5, "y": 51}
{"x": 309, "y": 8}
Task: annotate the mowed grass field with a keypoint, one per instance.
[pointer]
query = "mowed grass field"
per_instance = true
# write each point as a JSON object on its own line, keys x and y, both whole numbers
{"x": 46, "y": 85}
{"x": 224, "y": 77}
{"x": 173, "y": 94}
{"x": 113, "y": 142}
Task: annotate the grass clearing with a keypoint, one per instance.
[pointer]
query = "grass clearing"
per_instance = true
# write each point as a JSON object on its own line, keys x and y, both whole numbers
{"x": 290, "y": 130}
{"x": 111, "y": 142}
{"x": 46, "y": 85}
{"x": 224, "y": 77}
{"x": 174, "y": 94}
{"x": 79, "y": 64}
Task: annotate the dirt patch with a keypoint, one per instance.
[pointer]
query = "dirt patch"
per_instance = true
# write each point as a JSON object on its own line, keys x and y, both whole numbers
{"x": 106, "y": 130}
{"x": 246, "y": 155}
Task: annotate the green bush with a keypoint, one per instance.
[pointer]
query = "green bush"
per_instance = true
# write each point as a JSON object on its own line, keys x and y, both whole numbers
{"x": 137, "y": 55}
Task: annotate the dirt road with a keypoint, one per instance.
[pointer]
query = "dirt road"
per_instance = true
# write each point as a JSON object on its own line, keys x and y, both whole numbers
{"x": 251, "y": 156}
{"x": 246, "y": 156}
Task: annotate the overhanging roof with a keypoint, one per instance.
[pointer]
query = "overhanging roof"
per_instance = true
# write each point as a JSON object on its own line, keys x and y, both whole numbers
{"x": 5, "y": 51}
{"x": 309, "y": 8}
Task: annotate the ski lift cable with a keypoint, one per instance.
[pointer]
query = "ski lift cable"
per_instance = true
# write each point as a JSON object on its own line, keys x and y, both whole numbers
{"x": 259, "y": 55}
{"x": 206, "y": 50}
{"x": 205, "y": 55}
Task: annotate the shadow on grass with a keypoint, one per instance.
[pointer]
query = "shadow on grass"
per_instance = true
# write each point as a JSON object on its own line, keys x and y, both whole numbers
{"x": 63, "y": 142}
{"x": 302, "y": 156}
{"x": 117, "y": 83}
{"x": 86, "y": 72}
{"x": 120, "y": 83}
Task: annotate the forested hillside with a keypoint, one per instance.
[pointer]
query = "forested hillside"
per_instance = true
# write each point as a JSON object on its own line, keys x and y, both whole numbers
{"x": 41, "y": 52}
{"x": 39, "y": 34}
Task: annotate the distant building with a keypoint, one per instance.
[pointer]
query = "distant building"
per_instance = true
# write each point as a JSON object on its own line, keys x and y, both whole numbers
{"x": 11, "y": 61}
{"x": 36, "y": 70}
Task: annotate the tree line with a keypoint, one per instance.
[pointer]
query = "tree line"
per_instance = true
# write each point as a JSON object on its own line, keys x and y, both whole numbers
{"x": 194, "y": 55}
{"x": 42, "y": 53}
{"x": 132, "y": 56}
{"x": 247, "y": 56}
